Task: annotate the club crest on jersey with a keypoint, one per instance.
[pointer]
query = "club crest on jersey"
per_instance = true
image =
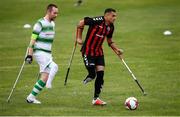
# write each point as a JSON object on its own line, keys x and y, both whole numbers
{"x": 108, "y": 28}
{"x": 100, "y": 26}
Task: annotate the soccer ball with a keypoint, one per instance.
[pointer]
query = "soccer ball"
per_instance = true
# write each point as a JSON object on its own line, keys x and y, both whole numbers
{"x": 131, "y": 103}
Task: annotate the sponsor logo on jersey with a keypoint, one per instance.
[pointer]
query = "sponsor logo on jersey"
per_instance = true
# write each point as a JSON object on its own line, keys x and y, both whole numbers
{"x": 100, "y": 35}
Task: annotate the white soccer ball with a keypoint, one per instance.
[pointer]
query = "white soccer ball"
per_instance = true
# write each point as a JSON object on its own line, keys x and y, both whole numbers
{"x": 27, "y": 26}
{"x": 167, "y": 32}
{"x": 131, "y": 103}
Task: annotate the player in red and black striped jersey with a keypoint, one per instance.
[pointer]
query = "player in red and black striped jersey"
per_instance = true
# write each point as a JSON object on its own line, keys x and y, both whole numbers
{"x": 96, "y": 34}
{"x": 100, "y": 28}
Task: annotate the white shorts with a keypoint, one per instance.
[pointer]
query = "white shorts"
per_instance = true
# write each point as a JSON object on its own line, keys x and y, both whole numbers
{"x": 44, "y": 59}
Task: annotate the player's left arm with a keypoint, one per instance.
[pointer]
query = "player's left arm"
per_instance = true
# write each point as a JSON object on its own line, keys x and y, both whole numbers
{"x": 111, "y": 43}
{"x": 114, "y": 46}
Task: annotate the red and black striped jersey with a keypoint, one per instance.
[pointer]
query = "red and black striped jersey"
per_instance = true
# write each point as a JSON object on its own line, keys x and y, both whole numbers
{"x": 95, "y": 36}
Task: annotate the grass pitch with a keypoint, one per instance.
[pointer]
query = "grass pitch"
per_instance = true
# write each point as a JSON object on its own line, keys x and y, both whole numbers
{"x": 153, "y": 58}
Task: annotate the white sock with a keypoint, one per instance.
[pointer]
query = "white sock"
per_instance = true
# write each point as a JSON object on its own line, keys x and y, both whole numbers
{"x": 53, "y": 70}
{"x": 31, "y": 95}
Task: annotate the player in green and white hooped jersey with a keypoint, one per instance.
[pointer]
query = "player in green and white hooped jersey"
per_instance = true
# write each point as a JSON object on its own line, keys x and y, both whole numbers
{"x": 40, "y": 48}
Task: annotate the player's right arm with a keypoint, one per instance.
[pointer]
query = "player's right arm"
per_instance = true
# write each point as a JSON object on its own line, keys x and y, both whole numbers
{"x": 36, "y": 30}
{"x": 31, "y": 46}
{"x": 86, "y": 21}
{"x": 79, "y": 32}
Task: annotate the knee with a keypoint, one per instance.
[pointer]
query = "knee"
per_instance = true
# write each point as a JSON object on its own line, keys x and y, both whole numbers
{"x": 92, "y": 72}
{"x": 100, "y": 74}
{"x": 99, "y": 79}
{"x": 54, "y": 66}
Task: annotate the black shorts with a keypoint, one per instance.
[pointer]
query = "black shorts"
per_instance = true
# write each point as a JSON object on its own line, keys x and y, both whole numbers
{"x": 93, "y": 60}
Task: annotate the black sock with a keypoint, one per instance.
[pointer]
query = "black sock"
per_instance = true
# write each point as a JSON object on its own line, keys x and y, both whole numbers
{"x": 98, "y": 83}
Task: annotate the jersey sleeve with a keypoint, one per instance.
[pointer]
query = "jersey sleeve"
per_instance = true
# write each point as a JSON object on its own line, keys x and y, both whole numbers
{"x": 53, "y": 24}
{"x": 109, "y": 36}
{"x": 111, "y": 32}
{"x": 92, "y": 21}
{"x": 88, "y": 21}
{"x": 36, "y": 30}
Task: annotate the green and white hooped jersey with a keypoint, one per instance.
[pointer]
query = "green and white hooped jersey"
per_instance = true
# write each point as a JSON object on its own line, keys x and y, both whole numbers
{"x": 43, "y": 33}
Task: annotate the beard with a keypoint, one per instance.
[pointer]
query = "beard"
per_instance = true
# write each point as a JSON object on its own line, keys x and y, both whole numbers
{"x": 53, "y": 18}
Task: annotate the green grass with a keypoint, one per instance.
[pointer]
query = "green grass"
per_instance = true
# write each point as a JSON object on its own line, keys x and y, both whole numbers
{"x": 153, "y": 58}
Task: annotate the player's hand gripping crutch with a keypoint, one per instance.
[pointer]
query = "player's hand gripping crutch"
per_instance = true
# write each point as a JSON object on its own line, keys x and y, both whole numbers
{"x": 133, "y": 76}
{"x": 70, "y": 62}
{"x": 19, "y": 74}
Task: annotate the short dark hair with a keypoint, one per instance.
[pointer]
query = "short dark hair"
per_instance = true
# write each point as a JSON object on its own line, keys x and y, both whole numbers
{"x": 108, "y": 10}
{"x": 50, "y": 6}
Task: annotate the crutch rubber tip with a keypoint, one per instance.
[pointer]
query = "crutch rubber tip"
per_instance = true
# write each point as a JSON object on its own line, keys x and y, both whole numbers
{"x": 144, "y": 93}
